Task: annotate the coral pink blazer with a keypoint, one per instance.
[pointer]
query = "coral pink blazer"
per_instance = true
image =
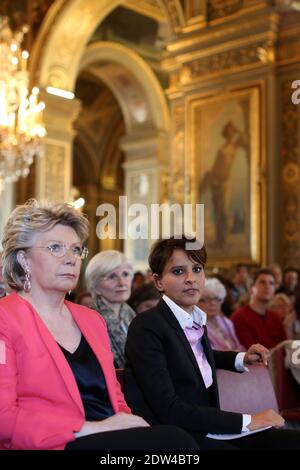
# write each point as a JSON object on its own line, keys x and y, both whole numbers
{"x": 40, "y": 404}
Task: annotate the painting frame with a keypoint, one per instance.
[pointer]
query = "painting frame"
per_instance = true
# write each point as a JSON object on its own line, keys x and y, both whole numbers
{"x": 225, "y": 127}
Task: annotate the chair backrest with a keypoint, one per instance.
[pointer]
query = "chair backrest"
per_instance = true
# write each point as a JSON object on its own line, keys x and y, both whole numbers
{"x": 286, "y": 388}
{"x": 249, "y": 392}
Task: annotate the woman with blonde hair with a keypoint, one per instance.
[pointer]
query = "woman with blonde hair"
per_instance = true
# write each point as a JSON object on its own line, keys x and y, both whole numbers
{"x": 282, "y": 305}
{"x": 108, "y": 277}
{"x": 58, "y": 387}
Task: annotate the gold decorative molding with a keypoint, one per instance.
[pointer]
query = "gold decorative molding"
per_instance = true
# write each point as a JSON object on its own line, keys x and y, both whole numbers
{"x": 290, "y": 156}
{"x": 174, "y": 12}
{"x": 54, "y": 168}
{"x": 229, "y": 61}
{"x": 219, "y": 8}
{"x": 148, "y": 8}
{"x": 247, "y": 27}
{"x": 132, "y": 81}
{"x": 59, "y": 69}
{"x": 290, "y": 173}
{"x": 177, "y": 176}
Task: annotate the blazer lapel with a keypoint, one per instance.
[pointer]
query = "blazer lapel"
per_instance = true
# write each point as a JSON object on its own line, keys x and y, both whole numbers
{"x": 210, "y": 357}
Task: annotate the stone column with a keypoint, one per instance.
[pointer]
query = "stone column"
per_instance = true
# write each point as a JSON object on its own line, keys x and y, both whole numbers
{"x": 54, "y": 170}
{"x": 146, "y": 183}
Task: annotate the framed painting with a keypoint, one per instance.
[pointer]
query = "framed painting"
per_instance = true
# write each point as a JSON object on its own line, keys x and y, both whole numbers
{"x": 224, "y": 144}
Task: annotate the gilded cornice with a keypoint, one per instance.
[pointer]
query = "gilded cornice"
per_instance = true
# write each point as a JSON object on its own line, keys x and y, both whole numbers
{"x": 248, "y": 7}
{"x": 149, "y": 8}
{"x": 225, "y": 59}
{"x": 224, "y": 46}
{"x": 288, "y": 47}
{"x": 204, "y": 38}
{"x": 175, "y": 13}
{"x": 219, "y": 9}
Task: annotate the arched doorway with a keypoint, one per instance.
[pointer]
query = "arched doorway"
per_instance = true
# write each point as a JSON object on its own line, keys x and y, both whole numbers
{"x": 63, "y": 60}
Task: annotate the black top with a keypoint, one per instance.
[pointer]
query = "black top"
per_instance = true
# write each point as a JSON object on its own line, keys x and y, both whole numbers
{"x": 90, "y": 381}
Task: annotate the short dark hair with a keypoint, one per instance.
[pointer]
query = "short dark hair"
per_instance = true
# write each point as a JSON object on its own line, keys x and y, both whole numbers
{"x": 143, "y": 293}
{"x": 290, "y": 270}
{"x": 263, "y": 271}
{"x": 239, "y": 266}
{"x": 163, "y": 249}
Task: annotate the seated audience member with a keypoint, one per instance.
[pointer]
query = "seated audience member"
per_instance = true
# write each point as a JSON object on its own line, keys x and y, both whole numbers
{"x": 292, "y": 321}
{"x": 256, "y": 323}
{"x": 84, "y": 298}
{"x": 282, "y": 305}
{"x": 171, "y": 369}
{"x": 232, "y": 296}
{"x": 220, "y": 329}
{"x": 290, "y": 283}
{"x": 144, "y": 298}
{"x": 108, "y": 278}
{"x": 58, "y": 387}
{"x": 241, "y": 279}
{"x": 138, "y": 280}
{"x": 277, "y": 273}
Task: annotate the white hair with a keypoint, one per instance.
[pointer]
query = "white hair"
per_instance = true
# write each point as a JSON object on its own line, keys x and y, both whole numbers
{"x": 215, "y": 287}
{"x": 102, "y": 264}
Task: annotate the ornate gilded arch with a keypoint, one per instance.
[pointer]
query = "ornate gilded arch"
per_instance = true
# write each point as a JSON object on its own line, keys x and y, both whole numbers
{"x": 67, "y": 28}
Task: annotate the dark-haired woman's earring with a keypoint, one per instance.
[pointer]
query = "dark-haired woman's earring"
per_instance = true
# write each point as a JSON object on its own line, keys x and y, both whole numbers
{"x": 27, "y": 282}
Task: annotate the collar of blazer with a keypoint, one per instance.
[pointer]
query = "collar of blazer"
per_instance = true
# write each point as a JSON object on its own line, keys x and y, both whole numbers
{"x": 169, "y": 316}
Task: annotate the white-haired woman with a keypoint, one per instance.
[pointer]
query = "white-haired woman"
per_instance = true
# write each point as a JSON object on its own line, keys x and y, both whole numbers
{"x": 220, "y": 329}
{"x": 58, "y": 386}
{"x": 108, "y": 276}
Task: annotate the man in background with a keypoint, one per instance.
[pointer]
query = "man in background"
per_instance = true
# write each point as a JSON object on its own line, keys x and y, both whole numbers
{"x": 255, "y": 323}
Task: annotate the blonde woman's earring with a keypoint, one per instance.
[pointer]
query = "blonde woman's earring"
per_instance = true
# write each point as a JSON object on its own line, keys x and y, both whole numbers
{"x": 27, "y": 282}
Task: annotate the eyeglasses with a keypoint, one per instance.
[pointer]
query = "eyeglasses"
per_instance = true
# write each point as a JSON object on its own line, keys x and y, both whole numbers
{"x": 59, "y": 249}
{"x": 211, "y": 299}
{"x": 113, "y": 277}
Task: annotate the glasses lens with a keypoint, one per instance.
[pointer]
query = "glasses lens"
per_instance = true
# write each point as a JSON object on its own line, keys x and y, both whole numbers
{"x": 57, "y": 249}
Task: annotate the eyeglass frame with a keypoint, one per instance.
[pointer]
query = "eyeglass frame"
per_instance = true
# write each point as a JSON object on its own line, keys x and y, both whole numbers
{"x": 84, "y": 250}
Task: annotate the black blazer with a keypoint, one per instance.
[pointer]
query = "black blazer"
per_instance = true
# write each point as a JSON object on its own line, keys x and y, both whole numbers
{"x": 163, "y": 383}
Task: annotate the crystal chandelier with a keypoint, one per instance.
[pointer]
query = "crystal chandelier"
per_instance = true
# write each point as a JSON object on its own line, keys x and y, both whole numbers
{"x": 21, "y": 123}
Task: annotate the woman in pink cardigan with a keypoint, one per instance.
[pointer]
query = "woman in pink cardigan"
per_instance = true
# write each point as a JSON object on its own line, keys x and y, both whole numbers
{"x": 220, "y": 329}
{"x": 58, "y": 387}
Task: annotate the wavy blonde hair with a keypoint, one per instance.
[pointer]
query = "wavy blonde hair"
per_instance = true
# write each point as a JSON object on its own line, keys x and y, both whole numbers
{"x": 29, "y": 219}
